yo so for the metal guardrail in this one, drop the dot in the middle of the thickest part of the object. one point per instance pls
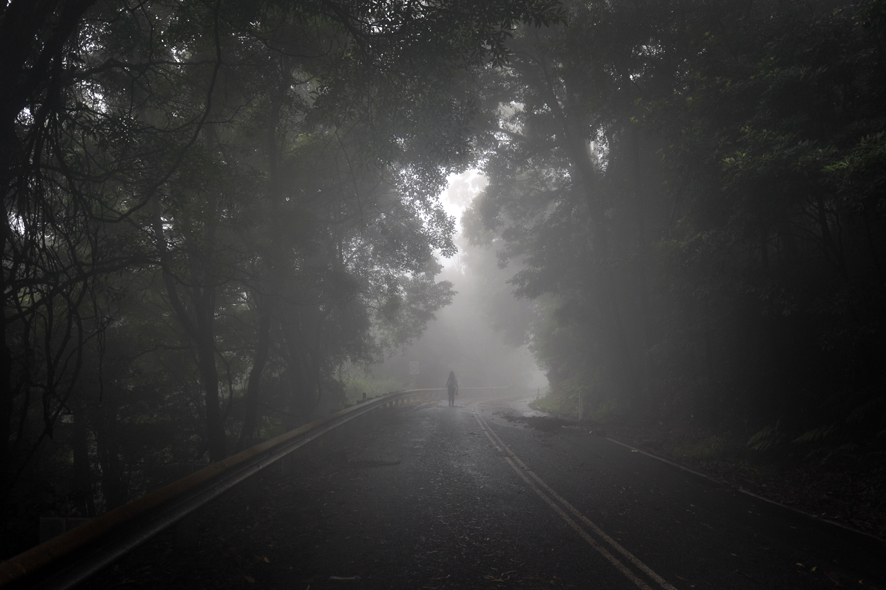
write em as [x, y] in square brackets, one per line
[74, 556]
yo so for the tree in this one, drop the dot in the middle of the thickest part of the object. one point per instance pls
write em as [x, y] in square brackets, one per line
[164, 139]
[571, 177]
[676, 178]
[765, 119]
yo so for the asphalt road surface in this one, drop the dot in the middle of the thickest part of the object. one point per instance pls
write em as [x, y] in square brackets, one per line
[483, 495]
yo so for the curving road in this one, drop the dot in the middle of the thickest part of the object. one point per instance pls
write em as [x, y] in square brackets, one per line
[474, 497]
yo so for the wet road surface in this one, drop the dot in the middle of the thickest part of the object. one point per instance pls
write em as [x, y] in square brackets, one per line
[429, 496]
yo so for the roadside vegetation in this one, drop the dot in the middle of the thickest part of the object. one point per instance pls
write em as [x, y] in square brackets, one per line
[691, 194]
[841, 483]
[209, 210]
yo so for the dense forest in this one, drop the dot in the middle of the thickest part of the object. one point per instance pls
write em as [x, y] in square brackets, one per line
[210, 207]
[213, 208]
[693, 193]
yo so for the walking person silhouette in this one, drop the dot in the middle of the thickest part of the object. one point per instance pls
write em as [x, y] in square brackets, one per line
[452, 387]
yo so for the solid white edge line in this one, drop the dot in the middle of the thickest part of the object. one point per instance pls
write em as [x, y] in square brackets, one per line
[504, 451]
[574, 525]
[612, 542]
[663, 460]
[746, 492]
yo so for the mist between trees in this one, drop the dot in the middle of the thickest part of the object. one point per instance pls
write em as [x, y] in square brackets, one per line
[693, 194]
[482, 336]
[211, 208]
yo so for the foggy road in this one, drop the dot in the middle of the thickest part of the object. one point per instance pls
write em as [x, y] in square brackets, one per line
[470, 497]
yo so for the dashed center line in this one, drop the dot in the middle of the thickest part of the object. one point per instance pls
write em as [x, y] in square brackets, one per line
[561, 507]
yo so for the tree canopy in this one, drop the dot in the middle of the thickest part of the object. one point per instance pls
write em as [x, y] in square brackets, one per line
[209, 208]
[692, 190]
[212, 208]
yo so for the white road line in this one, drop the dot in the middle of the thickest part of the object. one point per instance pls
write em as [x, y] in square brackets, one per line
[525, 473]
[663, 460]
[746, 492]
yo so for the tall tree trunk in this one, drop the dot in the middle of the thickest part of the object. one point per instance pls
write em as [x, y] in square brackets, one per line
[6, 373]
[7, 141]
[82, 467]
[586, 178]
[827, 237]
[299, 371]
[113, 484]
[200, 328]
[204, 312]
[253, 386]
[6, 406]
[268, 290]
[577, 149]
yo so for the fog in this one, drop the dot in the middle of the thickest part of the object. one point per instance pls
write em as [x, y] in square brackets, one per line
[225, 220]
[463, 340]
[474, 336]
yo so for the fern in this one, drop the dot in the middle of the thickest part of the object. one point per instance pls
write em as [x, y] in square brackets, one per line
[768, 437]
[873, 406]
[815, 434]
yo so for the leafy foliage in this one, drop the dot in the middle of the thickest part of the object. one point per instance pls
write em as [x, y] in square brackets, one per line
[693, 191]
[209, 209]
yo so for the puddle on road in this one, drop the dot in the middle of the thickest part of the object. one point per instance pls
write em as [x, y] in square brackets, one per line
[514, 407]
[518, 411]
[522, 406]
[543, 423]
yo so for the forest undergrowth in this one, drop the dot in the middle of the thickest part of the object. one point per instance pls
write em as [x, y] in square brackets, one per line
[844, 486]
